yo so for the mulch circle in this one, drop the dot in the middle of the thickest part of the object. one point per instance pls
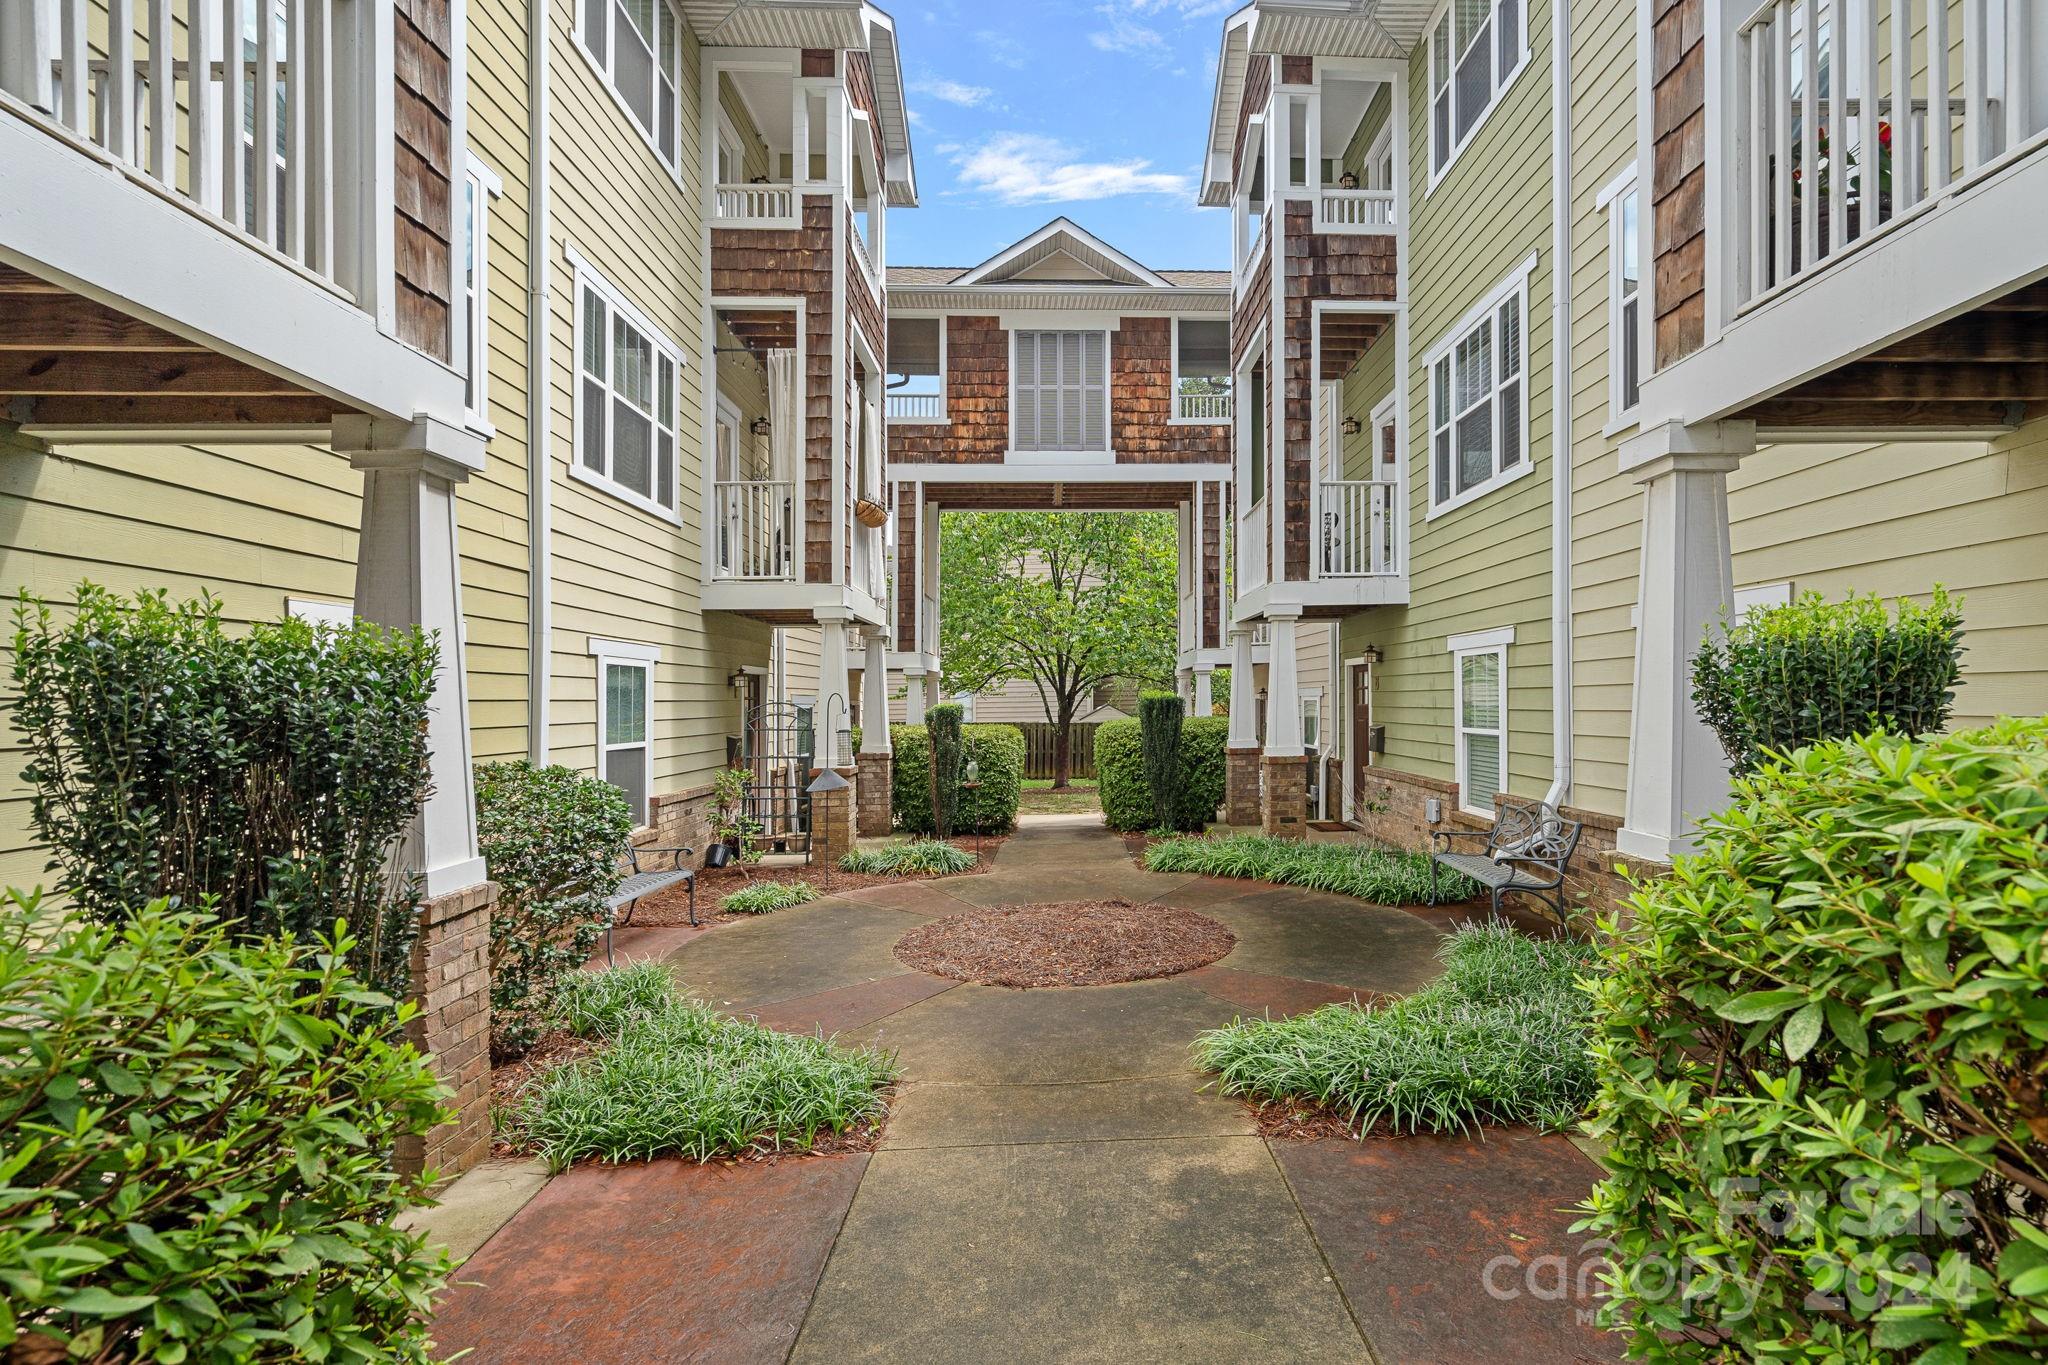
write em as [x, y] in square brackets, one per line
[1069, 943]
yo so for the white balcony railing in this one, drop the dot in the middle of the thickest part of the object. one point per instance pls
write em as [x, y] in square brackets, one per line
[745, 205]
[1841, 128]
[756, 528]
[1202, 407]
[917, 407]
[1361, 528]
[1355, 211]
[111, 75]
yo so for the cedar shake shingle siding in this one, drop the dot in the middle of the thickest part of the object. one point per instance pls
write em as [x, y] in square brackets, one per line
[977, 401]
[1678, 192]
[423, 174]
[1141, 400]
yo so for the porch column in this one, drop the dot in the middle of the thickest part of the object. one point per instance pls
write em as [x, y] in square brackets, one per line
[873, 815]
[835, 705]
[1205, 703]
[1241, 762]
[409, 573]
[914, 698]
[1285, 810]
[1676, 771]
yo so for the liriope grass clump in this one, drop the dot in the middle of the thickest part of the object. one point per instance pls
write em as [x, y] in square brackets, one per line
[597, 1004]
[675, 1078]
[1348, 869]
[763, 897]
[1499, 1038]
[919, 857]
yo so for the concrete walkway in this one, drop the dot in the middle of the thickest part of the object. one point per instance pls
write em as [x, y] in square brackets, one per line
[1054, 1183]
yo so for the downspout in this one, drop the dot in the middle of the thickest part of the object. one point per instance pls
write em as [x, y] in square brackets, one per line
[1560, 403]
[539, 324]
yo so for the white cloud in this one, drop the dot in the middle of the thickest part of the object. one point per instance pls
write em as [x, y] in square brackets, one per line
[1026, 168]
[952, 92]
[1001, 49]
[1124, 34]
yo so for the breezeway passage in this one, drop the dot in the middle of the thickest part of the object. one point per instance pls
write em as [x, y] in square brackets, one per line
[1054, 1183]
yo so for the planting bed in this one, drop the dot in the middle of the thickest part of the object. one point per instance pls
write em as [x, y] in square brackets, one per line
[1073, 943]
[672, 907]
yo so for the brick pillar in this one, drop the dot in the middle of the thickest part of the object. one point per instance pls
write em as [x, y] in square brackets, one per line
[876, 817]
[451, 982]
[832, 820]
[1241, 786]
[1286, 807]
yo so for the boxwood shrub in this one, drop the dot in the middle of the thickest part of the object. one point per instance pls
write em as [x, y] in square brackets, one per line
[998, 751]
[1120, 772]
[1821, 1056]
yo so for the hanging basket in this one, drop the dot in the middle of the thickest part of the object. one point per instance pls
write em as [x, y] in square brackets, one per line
[870, 513]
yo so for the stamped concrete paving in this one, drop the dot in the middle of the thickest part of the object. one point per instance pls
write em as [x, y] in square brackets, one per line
[1055, 1182]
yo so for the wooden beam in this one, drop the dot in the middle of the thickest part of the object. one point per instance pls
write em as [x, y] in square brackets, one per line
[113, 373]
[1867, 415]
[14, 281]
[67, 322]
[167, 411]
[1974, 336]
[2029, 298]
[1899, 381]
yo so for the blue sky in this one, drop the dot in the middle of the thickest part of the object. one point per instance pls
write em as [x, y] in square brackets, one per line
[1024, 110]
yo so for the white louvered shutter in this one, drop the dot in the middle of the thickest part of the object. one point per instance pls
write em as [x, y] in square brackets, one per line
[1094, 393]
[1024, 391]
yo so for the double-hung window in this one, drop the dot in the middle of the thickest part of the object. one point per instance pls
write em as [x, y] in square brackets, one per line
[625, 725]
[1476, 48]
[1624, 299]
[1478, 399]
[1059, 399]
[637, 45]
[627, 375]
[1480, 701]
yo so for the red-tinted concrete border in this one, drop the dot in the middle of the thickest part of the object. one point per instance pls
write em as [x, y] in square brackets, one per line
[849, 1007]
[1279, 996]
[662, 1261]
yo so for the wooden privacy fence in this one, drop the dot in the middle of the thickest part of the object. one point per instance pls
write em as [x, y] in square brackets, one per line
[1040, 752]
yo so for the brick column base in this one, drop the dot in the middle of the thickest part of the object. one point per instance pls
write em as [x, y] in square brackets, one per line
[451, 982]
[1286, 809]
[876, 781]
[832, 820]
[1241, 787]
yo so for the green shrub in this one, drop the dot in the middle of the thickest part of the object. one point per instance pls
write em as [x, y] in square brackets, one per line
[1127, 801]
[1811, 670]
[553, 840]
[763, 897]
[272, 771]
[1821, 1054]
[684, 1079]
[1499, 1038]
[195, 1146]
[998, 753]
[1348, 869]
[1159, 720]
[918, 857]
[943, 771]
[598, 1004]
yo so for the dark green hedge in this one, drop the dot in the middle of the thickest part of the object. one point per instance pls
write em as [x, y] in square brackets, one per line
[997, 749]
[1120, 771]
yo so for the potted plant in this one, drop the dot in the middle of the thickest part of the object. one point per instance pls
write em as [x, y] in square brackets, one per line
[732, 827]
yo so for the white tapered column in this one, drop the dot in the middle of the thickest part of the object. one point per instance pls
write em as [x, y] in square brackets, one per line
[1205, 680]
[835, 710]
[1676, 771]
[913, 697]
[874, 695]
[409, 574]
[1283, 691]
[1244, 692]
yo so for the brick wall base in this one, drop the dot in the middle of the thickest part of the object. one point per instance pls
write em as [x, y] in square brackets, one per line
[832, 819]
[681, 818]
[451, 981]
[875, 816]
[1241, 787]
[1285, 813]
[1393, 812]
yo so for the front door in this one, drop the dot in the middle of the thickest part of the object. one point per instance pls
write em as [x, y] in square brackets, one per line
[1361, 732]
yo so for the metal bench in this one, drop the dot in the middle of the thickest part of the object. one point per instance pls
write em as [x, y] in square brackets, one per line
[645, 882]
[1526, 850]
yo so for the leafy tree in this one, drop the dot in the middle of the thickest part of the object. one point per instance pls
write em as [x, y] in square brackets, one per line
[1067, 601]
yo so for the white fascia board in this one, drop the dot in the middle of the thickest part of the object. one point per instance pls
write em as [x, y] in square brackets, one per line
[1056, 473]
[69, 215]
[1074, 232]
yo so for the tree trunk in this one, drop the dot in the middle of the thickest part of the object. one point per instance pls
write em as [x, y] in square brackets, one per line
[1063, 745]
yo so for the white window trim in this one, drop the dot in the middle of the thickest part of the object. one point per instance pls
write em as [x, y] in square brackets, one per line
[585, 276]
[1106, 452]
[604, 78]
[1245, 244]
[1173, 417]
[1516, 283]
[1620, 415]
[1760, 595]
[624, 654]
[477, 332]
[1312, 697]
[1504, 82]
[1461, 648]
[941, 419]
[727, 136]
[320, 613]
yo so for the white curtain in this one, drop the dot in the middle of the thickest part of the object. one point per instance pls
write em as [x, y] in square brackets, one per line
[871, 452]
[785, 420]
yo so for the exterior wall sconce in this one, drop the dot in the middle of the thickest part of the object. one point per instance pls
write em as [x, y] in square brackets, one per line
[760, 426]
[1372, 654]
[1352, 426]
[736, 679]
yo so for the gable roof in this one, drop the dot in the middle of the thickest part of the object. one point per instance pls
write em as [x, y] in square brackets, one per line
[1063, 237]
